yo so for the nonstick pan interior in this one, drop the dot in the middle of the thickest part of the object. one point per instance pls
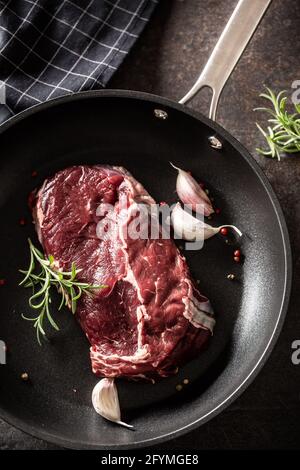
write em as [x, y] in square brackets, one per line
[119, 128]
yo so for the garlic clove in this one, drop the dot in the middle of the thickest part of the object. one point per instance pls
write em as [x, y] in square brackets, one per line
[106, 401]
[189, 228]
[186, 226]
[190, 192]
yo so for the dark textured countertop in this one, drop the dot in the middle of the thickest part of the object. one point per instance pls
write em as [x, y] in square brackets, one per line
[166, 61]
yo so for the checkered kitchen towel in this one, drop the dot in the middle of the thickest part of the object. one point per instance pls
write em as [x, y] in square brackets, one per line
[49, 48]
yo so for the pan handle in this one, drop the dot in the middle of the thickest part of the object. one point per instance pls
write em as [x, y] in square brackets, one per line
[228, 50]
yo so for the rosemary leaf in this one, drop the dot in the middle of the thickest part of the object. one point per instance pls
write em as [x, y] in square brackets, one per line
[283, 132]
[45, 278]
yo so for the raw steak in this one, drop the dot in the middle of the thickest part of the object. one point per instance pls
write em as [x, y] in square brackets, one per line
[150, 318]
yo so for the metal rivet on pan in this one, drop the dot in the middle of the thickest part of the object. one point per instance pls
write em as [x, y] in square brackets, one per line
[215, 143]
[160, 114]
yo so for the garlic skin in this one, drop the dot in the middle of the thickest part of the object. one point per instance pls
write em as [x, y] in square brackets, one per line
[106, 401]
[190, 192]
[189, 228]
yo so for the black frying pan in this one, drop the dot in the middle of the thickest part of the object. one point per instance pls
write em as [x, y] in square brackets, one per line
[123, 128]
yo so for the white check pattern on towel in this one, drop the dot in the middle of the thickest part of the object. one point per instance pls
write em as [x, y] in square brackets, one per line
[49, 48]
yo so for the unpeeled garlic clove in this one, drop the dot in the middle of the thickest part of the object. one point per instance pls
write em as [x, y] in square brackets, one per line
[190, 192]
[106, 401]
[188, 227]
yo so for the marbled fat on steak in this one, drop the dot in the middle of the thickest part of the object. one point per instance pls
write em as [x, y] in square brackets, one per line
[149, 319]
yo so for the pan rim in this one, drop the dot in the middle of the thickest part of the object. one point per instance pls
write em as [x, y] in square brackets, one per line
[39, 433]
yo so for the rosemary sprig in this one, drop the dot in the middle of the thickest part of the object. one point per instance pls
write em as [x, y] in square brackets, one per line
[41, 276]
[283, 133]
